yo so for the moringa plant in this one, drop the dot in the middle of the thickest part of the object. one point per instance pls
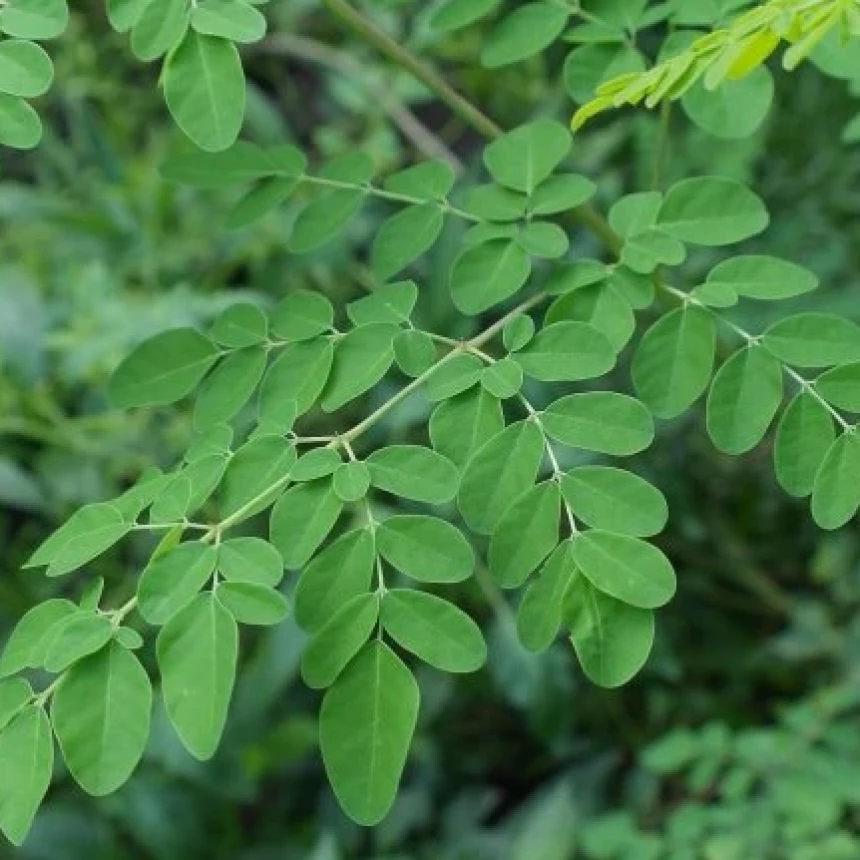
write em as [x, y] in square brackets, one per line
[528, 482]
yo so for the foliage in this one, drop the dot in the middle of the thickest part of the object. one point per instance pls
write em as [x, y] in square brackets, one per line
[388, 536]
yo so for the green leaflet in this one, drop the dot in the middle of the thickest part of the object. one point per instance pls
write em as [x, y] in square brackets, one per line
[625, 568]
[744, 398]
[229, 19]
[603, 421]
[250, 559]
[432, 179]
[434, 630]
[414, 352]
[361, 359]
[588, 66]
[229, 387]
[341, 572]
[645, 251]
[460, 425]
[841, 387]
[35, 19]
[803, 438]
[242, 324]
[351, 482]
[25, 69]
[20, 126]
[561, 193]
[302, 519]
[503, 378]
[414, 472]
[317, 463]
[711, 210]
[259, 201]
[814, 340]
[673, 363]
[600, 306]
[300, 374]
[14, 694]
[324, 219]
[87, 534]
[522, 159]
[614, 500]
[256, 473]
[27, 751]
[526, 31]
[204, 87]
[836, 493]
[540, 613]
[27, 647]
[253, 603]
[488, 274]
[390, 303]
[80, 635]
[366, 725]
[404, 237]
[158, 29]
[302, 315]
[525, 534]
[612, 640]
[101, 714]
[497, 473]
[567, 351]
[162, 369]
[453, 376]
[339, 640]
[197, 653]
[735, 109]
[172, 580]
[761, 277]
[456, 14]
[426, 548]
[518, 332]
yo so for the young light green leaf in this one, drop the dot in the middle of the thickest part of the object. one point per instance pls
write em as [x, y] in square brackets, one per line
[541, 610]
[615, 500]
[525, 535]
[341, 572]
[673, 363]
[744, 398]
[229, 387]
[612, 640]
[600, 421]
[80, 635]
[626, 568]
[404, 237]
[250, 559]
[302, 519]
[761, 277]
[339, 640]
[27, 646]
[712, 210]
[366, 725]
[299, 375]
[162, 369]
[813, 340]
[253, 603]
[803, 438]
[302, 315]
[101, 715]
[426, 548]
[414, 472]
[361, 359]
[488, 274]
[567, 351]
[526, 31]
[27, 751]
[197, 653]
[836, 494]
[228, 19]
[172, 580]
[434, 630]
[204, 87]
[523, 158]
[500, 471]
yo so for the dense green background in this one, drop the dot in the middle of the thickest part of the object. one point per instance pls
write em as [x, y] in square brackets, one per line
[740, 739]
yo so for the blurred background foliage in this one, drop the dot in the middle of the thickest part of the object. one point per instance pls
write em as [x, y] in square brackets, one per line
[739, 741]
